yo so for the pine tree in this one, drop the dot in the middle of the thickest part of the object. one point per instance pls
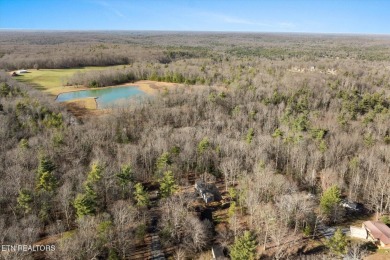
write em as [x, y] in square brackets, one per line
[95, 174]
[45, 165]
[47, 182]
[233, 193]
[44, 211]
[249, 135]
[45, 177]
[244, 248]
[163, 162]
[167, 184]
[141, 196]
[232, 209]
[203, 145]
[338, 243]
[86, 203]
[125, 176]
[24, 200]
[24, 144]
[330, 199]
[322, 146]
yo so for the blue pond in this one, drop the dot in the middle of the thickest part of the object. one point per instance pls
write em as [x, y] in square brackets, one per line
[106, 97]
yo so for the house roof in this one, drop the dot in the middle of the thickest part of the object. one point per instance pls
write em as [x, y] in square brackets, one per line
[379, 231]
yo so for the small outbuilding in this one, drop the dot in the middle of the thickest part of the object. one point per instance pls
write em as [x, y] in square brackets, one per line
[359, 232]
[379, 232]
[22, 71]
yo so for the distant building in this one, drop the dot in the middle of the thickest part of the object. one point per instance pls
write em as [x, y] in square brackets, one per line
[379, 232]
[22, 71]
[352, 206]
[359, 232]
[207, 191]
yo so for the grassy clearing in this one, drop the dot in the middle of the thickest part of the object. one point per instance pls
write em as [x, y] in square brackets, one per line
[53, 80]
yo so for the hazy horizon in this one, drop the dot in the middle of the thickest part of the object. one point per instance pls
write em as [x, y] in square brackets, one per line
[192, 32]
[280, 16]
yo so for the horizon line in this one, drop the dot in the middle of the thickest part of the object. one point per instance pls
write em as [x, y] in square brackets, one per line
[190, 31]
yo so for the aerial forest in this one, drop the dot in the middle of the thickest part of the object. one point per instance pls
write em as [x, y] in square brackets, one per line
[286, 126]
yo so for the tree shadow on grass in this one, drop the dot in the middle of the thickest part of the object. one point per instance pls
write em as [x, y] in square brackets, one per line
[30, 83]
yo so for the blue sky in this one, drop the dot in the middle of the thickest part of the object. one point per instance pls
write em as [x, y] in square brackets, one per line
[317, 16]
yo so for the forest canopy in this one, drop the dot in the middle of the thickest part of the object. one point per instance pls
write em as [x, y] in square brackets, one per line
[289, 125]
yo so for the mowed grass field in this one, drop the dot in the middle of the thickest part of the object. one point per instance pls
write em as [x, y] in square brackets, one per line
[53, 80]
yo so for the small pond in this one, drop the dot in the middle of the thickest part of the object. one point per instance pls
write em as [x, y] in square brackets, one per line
[106, 97]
